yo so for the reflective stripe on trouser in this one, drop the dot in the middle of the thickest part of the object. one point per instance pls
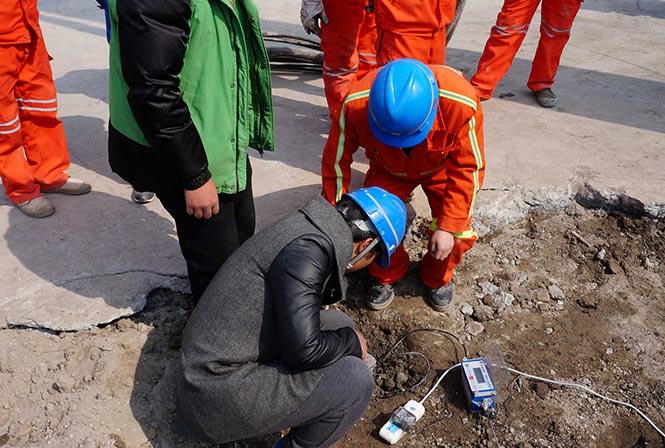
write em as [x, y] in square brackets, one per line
[33, 149]
[434, 273]
[506, 37]
[557, 21]
[348, 44]
[427, 48]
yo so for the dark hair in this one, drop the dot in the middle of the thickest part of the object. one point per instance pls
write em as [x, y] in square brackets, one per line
[351, 211]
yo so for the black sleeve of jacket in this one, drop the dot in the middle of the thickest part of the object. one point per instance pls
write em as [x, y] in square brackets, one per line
[153, 37]
[296, 280]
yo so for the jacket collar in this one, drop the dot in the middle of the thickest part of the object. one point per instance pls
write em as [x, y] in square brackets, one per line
[328, 220]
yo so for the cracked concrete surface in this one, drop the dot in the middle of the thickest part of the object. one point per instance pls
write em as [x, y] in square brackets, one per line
[99, 255]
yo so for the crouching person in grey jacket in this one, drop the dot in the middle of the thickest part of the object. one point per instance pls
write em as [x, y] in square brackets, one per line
[259, 355]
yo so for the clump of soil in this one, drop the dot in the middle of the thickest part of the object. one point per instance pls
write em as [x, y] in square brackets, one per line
[574, 296]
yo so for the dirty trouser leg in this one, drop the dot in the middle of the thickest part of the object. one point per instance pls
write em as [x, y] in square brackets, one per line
[334, 407]
[505, 39]
[207, 243]
[367, 45]
[556, 23]
[43, 133]
[17, 176]
[339, 43]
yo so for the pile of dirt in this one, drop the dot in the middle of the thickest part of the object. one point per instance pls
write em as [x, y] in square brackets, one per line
[574, 296]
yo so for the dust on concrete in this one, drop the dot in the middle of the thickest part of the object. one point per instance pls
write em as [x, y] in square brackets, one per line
[575, 296]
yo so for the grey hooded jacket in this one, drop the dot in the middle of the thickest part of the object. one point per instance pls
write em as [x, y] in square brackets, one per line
[252, 347]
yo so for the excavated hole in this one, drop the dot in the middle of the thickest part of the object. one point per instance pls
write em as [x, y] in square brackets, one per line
[575, 295]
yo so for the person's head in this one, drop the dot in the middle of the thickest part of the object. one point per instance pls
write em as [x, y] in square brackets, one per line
[377, 220]
[403, 102]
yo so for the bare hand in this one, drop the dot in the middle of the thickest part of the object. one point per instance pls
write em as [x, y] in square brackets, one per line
[202, 202]
[363, 344]
[441, 244]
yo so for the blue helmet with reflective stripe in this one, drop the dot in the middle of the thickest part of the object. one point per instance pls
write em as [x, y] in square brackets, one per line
[403, 102]
[387, 213]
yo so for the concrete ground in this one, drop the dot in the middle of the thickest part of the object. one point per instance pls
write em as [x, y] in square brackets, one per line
[99, 255]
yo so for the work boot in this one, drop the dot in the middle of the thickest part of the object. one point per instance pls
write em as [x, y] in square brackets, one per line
[546, 97]
[380, 296]
[142, 197]
[73, 187]
[39, 207]
[440, 298]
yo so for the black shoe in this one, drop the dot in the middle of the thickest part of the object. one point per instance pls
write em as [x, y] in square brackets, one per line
[380, 296]
[441, 298]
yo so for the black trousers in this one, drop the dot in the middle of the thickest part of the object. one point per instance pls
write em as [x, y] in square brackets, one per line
[207, 243]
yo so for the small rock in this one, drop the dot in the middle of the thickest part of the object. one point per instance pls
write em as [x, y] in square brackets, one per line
[542, 296]
[64, 384]
[543, 306]
[588, 302]
[488, 300]
[600, 255]
[613, 267]
[124, 325]
[483, 313]
[647, 263]
[609, 351]
[474, 328]
[559, 306]
[402, 378]
[87, 443]
[118, 442]
[591, 286]
[555, 292]
[542, 390]
[466, 309]
[549, 330]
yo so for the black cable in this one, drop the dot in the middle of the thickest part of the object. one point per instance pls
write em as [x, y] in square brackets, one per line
[434, 330]
[427, 361]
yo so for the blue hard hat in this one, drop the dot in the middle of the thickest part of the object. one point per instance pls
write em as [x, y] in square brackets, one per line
[388, 215]
[402, 103]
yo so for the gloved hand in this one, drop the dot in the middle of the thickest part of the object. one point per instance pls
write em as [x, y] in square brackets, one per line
[311, 11]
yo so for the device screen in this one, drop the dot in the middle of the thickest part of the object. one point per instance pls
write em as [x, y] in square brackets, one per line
[479, 375]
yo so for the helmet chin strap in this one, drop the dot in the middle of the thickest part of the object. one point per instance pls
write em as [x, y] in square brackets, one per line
[362, 254]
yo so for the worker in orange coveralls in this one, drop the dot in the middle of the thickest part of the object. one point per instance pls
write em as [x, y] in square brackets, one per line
[33, 150]
[348, 40]
[507, 35]
[354, 40]
[419, 125]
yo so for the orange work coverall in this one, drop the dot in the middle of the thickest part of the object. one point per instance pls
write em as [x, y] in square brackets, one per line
[449, 166]
[348, 43]
[409, 29]
[510, 30]
[33, 149]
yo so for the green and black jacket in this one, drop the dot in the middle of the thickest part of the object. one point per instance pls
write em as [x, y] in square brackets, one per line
[189, 92]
